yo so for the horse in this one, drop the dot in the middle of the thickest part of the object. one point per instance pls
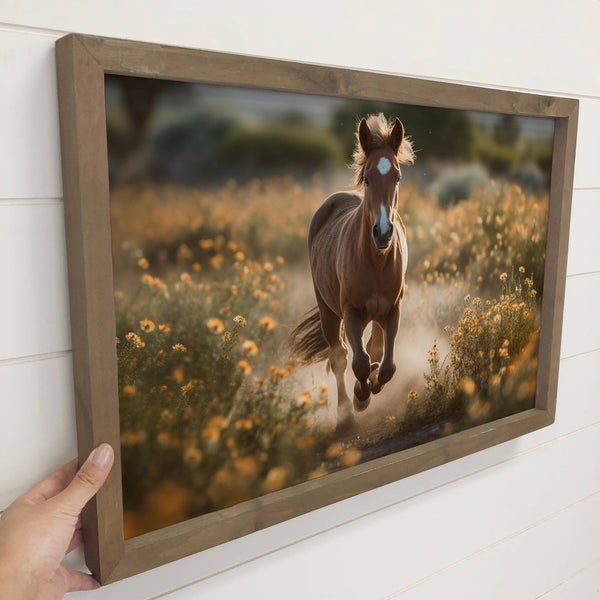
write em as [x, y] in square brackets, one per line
[358, 256]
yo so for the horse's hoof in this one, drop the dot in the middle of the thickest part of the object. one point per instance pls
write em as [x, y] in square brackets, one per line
[361, 405]
[362, 390]
[376, 388]
[385, 374]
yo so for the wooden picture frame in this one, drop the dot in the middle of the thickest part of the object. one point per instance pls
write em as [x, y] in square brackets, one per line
[82, 62]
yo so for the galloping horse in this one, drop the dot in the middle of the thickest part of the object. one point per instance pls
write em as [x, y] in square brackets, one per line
[358, 254]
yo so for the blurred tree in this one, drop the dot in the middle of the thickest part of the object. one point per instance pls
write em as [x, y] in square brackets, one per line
[437, 133]
[507, 131]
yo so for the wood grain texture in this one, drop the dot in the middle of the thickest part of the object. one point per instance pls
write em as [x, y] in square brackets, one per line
[557, 245]
[81, 63]
[87, 223]
[184, 64]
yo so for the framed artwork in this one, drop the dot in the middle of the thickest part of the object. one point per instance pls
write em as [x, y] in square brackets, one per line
[291, 283]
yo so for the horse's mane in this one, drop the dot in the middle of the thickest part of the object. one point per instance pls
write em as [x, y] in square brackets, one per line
[381, 129]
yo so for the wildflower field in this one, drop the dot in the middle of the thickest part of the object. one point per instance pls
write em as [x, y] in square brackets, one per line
[210, 281]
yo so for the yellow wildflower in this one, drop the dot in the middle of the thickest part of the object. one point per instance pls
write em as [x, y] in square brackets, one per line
[468, 386]
[129, 390]
[350, 457]
[250, 347]
[246, 465]
[188, 387]
[215, 325]
[304, 442]
[316, 473]
[268, 323]
[178, 374]
[211, 434]
[245, 367]
[132, 438]
[164, 438]
[334, 450]
[305, 398]
[216, 261]
[218, 421]
[133, 337]
[147, 325]
[274, 480]
[192, 456]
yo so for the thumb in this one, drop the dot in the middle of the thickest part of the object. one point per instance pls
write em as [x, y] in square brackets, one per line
[88, 480]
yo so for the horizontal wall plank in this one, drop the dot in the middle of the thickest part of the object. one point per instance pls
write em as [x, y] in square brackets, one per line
[37, 428]
[587, 174]
[581, 325]
[584, 585]
[34, 306]
[577, 397]
[509, 570]
[30, 148]
[584, 238]
[414, 39]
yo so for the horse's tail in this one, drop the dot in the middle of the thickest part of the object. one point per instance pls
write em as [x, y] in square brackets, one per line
[306, 343]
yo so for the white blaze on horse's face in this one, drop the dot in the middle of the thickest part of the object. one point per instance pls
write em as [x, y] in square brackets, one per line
[384, 220]
[384, 165]
[381, 187]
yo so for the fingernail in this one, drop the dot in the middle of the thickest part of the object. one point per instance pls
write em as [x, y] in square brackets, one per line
[101, 456]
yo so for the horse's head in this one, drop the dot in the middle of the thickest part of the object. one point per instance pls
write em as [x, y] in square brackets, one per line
[382, 148]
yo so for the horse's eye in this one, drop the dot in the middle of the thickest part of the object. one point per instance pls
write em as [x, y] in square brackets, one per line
[366, 181]
[398, 179]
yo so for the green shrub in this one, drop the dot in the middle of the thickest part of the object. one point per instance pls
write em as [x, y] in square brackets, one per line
[459, 183]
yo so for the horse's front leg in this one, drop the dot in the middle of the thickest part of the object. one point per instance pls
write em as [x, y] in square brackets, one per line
[390, 331]
[354, 325]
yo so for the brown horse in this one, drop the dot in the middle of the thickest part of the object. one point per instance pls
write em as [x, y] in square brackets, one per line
[358, 254]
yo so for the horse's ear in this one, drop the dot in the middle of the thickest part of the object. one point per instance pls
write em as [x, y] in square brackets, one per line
[397, 135]
[364, 135]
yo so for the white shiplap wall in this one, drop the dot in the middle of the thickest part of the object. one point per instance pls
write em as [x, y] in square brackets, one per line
[520, 520]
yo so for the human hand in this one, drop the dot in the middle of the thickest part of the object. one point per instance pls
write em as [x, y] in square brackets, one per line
[43, 525]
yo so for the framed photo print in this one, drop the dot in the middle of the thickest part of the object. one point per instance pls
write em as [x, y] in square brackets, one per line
[292, 283]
